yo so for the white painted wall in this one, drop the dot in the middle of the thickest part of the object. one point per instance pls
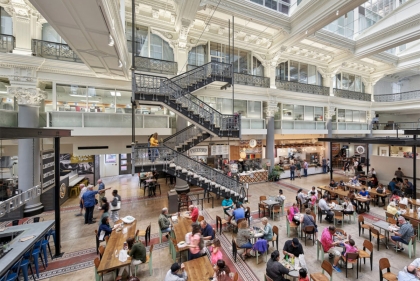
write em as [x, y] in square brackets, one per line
[386, 166]
[108, 169]
[382, 87]
[411, 84]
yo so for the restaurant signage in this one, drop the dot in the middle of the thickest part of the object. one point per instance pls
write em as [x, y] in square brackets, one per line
[199, 151]
[48, 173]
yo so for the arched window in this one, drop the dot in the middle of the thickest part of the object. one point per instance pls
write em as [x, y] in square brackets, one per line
[198, 55]
[160, 49]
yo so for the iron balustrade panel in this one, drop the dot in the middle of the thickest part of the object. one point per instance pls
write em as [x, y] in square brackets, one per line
[302, 88]
[161, 86]
[156, 65]
[411, 95]
[143, 155]
[252, 80]
[7, 43]
[200, 74]
[185, 135]
[53, 50]
[351, 95]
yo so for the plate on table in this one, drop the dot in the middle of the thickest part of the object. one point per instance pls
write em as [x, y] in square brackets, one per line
[128, 219]
[182, 244]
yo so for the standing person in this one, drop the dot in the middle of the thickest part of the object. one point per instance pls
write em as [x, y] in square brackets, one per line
[154, 143]
[292, 168]
[275, 270]
[196, 243]
[324, 165]
[399, 175]
[346, 167]
[101, 186]
[149, 150]
[305, 168]
[375, 122]
[83, 189]
[298, 168]
[330, 246]
[105, 209]
[115, 206]
[355, 164]
[88, 200]
[328, 165]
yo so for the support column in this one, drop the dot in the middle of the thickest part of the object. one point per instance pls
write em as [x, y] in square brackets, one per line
[23, 87]
[181, 186]
[270, 71]
[270, 111]
[414, 149]
[329, 115]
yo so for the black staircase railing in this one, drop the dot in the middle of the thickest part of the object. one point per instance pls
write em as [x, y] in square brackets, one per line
[185, 138]
[156, 65]
[53, 50]
[411, 95]
[170, 160]
[7, 43]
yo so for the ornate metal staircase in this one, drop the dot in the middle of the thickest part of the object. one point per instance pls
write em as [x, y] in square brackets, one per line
[186, 138]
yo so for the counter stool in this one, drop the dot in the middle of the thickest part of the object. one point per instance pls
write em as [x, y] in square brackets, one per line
[13, 273]
[36, 254]
[24, 266]
[44, 244]
[3, 278]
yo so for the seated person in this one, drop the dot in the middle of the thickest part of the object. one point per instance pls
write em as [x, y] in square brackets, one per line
[411, 272]
[275, 270]
[313, 199]
[292, 212]
[331, 247]
[392, 184]
[323, 205]
[354, 181]
[176, 273]
[373, 181]
[395, 197]
[403, 200]
[408, 188]
[333, 184]
[105, 228]
[207, 232]
[192, 213]
[227, 204]
[292, 248]
[238, 213]
[365, 194]
[308, 220]
[403, 235]
[341, 183]
[381, 190]
[350, 248]
[391, 208]
[164, 222]
[221, 271]
[280, 198]
[242, 238]
[267, 229]
[313, 189]
[302, 197]
[348, 206]
[352, 198]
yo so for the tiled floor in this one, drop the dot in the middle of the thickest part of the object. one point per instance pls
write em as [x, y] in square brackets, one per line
[78, 239]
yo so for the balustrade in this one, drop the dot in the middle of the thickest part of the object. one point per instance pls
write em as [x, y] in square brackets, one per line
[53, 50]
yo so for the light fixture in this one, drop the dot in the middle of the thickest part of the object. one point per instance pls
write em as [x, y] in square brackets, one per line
[90, 101]
[337, 13]
[306, 32]
[119, 64]
[3, 92]
[118, 94]
[111, 41]
[75, 95]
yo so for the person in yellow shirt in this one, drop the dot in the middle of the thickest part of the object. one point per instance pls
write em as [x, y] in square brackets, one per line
[392, 209]
[154, 142]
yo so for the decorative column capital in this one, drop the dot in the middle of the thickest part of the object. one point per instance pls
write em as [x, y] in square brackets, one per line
[27, 96]
[330, 112]
[271, 108]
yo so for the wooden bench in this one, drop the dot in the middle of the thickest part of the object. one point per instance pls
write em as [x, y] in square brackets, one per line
[74, 182]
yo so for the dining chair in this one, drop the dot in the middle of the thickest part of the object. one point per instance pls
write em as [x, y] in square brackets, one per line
[377, 235]
[25, 264]
[3, 278]
[411, 246]
[310, 229]
[266, 278]
[363, 254]
[235, 276]
[275, 236]
[326, 266]
[263, 198]
[149, 260]
[262, 208]
[276, 210]
[146, 234]
[200, 218]
[388, 275]
[351, 258]
[99, 276]
[338, 216]
[13, 273]
[15, 222]
[363, 226]
[175, 250]
[101, 251]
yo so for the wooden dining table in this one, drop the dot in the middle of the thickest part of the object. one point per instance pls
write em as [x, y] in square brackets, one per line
[116, 242]
[181, 228]
[199, 269]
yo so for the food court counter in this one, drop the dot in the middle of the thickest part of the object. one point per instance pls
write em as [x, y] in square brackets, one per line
[253, 176]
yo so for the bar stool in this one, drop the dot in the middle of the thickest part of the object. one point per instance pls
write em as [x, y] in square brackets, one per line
[3, 278]
[36, 254]
[44, 245]
[24, 266]
[13, 273]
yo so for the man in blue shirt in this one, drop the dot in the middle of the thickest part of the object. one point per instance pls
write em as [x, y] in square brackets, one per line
[206, 231]
[239, 212]
[392, 184]
[88, 201]
[408, 188]
[403, 235]
[365, 194]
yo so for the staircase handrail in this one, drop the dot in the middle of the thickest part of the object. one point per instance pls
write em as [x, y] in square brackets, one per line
[172, 156]
[183, 135]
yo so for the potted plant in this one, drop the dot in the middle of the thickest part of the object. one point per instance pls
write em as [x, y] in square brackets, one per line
[275, 173]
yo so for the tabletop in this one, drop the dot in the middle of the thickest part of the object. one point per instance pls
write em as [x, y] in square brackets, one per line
[182, 228]
[116, 242]
[413, 202]
[199, 269]
[270, 202]
[382, 224]
[334, 191]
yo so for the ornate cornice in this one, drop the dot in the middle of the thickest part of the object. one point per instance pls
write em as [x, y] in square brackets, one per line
[26, 96]
[272, 107]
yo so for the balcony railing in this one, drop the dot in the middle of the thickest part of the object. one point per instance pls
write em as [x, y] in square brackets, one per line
[156, 65]
[412, 95]
[349, 126]
[396, 126]
[53, 50]
[60, 119]
[302, 88]
[252, 80]
[7, 43]
[299, 125]
[351, 95]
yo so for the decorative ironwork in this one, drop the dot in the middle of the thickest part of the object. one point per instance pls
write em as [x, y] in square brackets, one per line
[252, 80]
[168, 157]
[183, 136]
[302, 88]
[156, 65]
[177, 89]
[53, 50]
[351, 95]
[411, 95]
[7, 43]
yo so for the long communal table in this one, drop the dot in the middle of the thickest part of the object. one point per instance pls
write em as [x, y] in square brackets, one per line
[199, 269]
[180, 229]
[116, 242]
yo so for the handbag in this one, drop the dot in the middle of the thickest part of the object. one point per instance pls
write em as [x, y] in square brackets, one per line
[115, 208]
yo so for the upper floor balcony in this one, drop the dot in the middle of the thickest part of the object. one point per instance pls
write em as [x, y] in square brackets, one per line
[411, 95]
[352, 95]
[7, 43]
[156, 65]
[53, 50]
[302, 87]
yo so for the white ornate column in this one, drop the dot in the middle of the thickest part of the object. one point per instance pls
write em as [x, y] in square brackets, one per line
[270, 71]
[331, 111]
[23, 87]
[270, 111]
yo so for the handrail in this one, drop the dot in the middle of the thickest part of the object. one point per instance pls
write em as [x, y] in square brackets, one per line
[168, 155]
[156, 65]
[251, 80]
[302, 87]
[409, 95]
[352, 95]
[59, 51]
[182, 136]
[155, 59]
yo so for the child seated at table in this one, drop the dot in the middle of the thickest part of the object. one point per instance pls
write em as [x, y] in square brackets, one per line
[303, 275]
[350, 248]
[215, 250]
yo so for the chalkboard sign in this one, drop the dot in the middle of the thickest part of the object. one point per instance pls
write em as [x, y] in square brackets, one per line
[48, 174]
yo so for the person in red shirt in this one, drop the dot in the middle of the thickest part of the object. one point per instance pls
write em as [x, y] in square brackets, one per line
[193, 210]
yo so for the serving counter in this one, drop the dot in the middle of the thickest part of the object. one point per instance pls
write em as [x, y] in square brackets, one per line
[253, 176]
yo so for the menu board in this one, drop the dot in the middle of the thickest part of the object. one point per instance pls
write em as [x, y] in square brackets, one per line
[48, 172]
[219, 149]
